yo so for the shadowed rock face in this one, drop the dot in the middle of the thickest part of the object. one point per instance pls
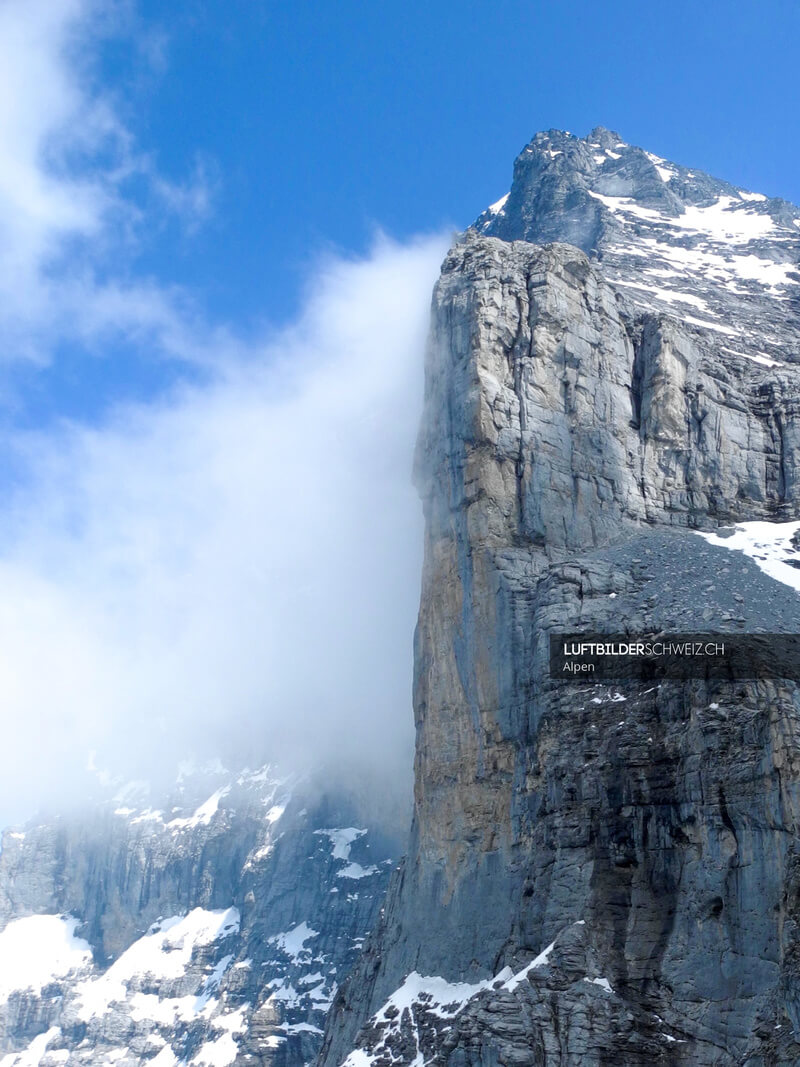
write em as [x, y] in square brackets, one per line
[596, 874]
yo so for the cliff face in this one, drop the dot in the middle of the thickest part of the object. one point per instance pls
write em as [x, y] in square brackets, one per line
[600, 874]
[211, 931]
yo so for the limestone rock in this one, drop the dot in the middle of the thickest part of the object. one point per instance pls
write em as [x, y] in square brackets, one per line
[598, 874]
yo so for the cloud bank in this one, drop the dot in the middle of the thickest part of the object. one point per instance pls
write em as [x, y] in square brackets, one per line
[231, 569]
[235, 570]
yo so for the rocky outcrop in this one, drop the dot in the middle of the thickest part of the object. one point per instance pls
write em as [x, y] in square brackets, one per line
[210, 931]
[596, 874]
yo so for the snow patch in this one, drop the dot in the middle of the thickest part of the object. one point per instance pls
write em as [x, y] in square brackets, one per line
[293, 942]
[148, 816]
[602, 982]
[342, 841]
[217, 1053]
[497, 207]
[726, 220]
[204, 814]
[670, 295]
[768, 544]
[32, 1056]
[754, 357]
[38, 950]
[165, 1058]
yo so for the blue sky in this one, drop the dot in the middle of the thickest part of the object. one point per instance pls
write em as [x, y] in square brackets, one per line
[328, 119]
[220, 222]
[258, 135]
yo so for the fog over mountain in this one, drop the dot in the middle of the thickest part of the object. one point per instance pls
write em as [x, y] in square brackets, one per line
[288, 773]
[224, 559]
[233, 570]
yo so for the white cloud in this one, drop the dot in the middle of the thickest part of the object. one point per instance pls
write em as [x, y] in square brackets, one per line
[234, 568]
[66, 163]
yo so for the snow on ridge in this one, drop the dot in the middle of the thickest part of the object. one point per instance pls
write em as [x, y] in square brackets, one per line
[435, 996]
[768, 544]
[37, 950]
[261, 784]
[540, 961]
[163, 953]
[447, 999]
[666, 171]
[204, 814]
[497, 207]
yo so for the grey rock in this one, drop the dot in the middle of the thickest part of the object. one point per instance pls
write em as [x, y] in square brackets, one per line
[265, 850]
[673, 239]
[579, 431]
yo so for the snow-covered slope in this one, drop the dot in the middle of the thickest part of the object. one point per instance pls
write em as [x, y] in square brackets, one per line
[215, 925]
[775, 547]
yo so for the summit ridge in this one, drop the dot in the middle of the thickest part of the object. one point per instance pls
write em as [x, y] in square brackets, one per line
[670, 238]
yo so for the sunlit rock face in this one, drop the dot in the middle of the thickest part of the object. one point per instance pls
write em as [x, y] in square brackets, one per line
[211, 930]
[600, 874]
[670, 238]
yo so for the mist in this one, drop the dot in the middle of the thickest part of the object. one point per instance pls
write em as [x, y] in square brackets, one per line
[226, 564]
[233, 570]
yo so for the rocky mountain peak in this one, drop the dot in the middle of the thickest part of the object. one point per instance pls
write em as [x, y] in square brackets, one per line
[671, 239]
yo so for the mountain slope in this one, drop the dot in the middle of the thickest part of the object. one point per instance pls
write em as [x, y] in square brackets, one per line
[599, 874]
[213, 931]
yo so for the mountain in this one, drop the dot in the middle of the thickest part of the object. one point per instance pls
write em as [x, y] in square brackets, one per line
[598, 872]
[211, 931]
[607, 873]
[672, 240]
